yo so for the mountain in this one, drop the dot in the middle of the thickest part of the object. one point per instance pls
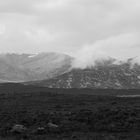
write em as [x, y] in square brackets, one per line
[54, 70]
[31, 67]
[123, 75]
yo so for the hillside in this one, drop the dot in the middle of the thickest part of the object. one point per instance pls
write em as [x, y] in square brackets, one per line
[114, 76]
[30, 67]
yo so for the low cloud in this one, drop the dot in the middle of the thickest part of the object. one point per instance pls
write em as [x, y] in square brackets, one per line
[101, 28]
[115, 47]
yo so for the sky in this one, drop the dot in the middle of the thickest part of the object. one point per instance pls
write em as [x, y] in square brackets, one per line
[82, 28]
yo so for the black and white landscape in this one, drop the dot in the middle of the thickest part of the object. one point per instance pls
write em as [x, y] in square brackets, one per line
[44, 96]
[70, 70]
[31, 67]
[55, 70]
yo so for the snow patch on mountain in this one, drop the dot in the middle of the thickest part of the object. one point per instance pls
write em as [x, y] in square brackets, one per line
[33, 55]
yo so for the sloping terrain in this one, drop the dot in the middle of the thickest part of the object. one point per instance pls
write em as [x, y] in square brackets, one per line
[30, 67]
[114, 76]
[54, 70]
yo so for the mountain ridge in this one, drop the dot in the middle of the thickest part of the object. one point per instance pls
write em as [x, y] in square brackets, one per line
[56, 70]
[23, 67]
[114, 76]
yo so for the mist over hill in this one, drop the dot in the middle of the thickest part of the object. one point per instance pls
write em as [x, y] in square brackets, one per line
[56, 70]
[104, 74]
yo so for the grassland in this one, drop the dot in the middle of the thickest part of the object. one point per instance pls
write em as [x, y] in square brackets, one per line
[81, 114]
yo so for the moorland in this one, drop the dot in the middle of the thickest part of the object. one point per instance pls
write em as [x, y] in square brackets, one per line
[81, 114]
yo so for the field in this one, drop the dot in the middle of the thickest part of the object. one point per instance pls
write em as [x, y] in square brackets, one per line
[80, 114]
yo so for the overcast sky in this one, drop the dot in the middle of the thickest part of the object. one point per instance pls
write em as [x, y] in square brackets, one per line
[109, 27]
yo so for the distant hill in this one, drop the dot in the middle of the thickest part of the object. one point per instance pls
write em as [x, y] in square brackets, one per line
[55, 70]
[103, 75]
[30, 67]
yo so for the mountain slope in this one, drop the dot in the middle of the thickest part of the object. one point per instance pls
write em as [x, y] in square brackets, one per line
[30, 67]
[101, 76]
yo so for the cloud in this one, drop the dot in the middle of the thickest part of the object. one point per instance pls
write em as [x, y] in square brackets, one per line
[107, 27]
[118, 47]
[2, 29]
[16, 6]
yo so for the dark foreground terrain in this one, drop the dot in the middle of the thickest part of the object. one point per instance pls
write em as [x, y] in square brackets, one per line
[73, 114]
